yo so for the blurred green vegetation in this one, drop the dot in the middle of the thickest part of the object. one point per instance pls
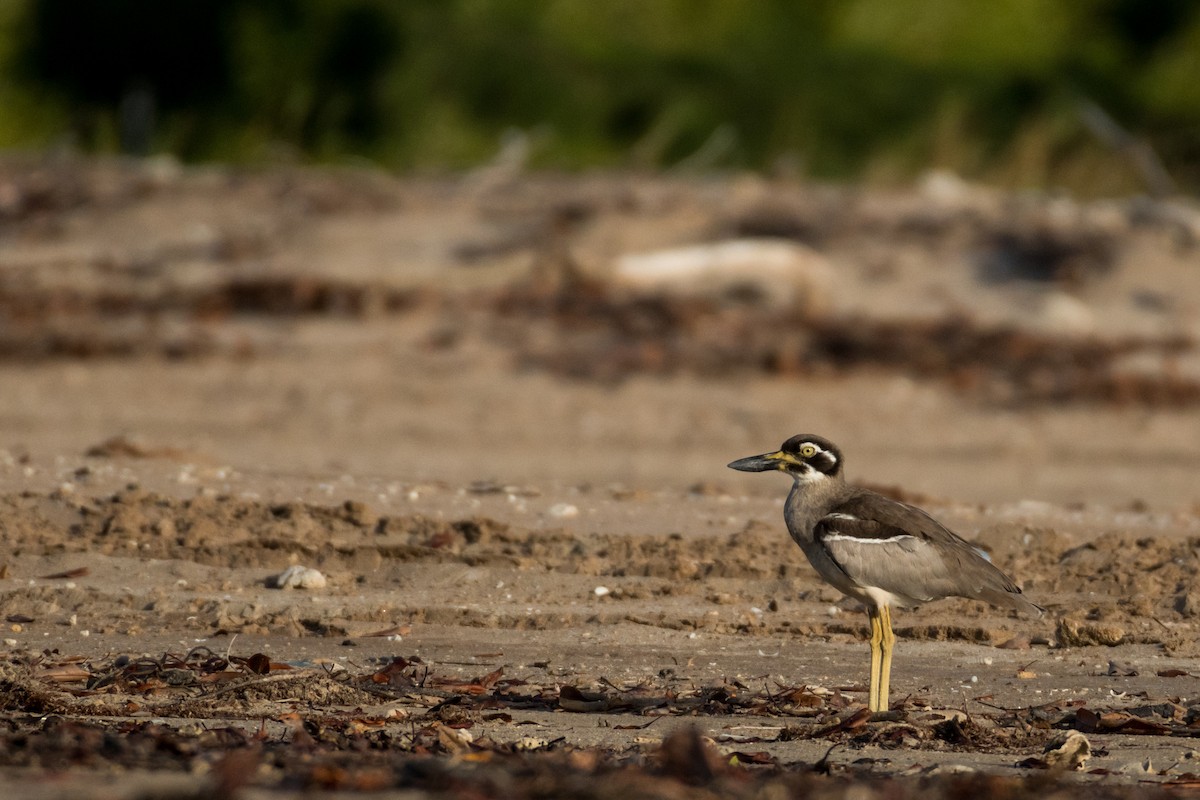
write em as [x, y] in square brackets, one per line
[877, 89]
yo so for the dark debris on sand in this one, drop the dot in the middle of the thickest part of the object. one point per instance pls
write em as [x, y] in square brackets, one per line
[127, 713]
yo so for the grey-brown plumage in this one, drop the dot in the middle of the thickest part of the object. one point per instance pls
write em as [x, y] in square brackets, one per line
[875, 549]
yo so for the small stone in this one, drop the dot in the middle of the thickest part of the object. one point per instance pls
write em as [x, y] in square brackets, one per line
[1122, 669]
[299, 577]
[1145, 767]
[601, 591]
[563, 511]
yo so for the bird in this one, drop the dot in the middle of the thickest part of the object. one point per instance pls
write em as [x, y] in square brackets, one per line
[879, 551]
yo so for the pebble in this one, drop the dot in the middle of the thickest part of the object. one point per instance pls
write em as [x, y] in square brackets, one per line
[1145, 767]
[299, 577]
[601, 591]
[563, 511]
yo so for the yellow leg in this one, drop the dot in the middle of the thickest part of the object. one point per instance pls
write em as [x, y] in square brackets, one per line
[887, 643]
[873, 701]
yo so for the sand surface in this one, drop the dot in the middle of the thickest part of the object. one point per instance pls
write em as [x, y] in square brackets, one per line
[509, 471]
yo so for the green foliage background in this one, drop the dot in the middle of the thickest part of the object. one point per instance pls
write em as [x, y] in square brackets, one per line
[874, 89]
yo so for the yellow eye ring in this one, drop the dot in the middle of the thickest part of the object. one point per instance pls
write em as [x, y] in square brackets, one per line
[808, 451]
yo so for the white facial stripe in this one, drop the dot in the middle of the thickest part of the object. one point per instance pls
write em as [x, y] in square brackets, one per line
[841, 537]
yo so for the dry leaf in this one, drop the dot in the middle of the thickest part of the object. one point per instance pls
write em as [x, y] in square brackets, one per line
[455, 740]
[259, 663]
[360, 725]
[65, 673]
[1087, 720]
[220, 677]
[78, 572]
[572, 699]
[853, 722]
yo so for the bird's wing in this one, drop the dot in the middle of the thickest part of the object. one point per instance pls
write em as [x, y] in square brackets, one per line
[901, 550]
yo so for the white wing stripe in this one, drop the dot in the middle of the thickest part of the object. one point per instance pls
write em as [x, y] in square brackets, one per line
[841, 537]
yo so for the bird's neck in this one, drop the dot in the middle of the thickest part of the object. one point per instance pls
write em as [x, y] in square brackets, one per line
[807, 502]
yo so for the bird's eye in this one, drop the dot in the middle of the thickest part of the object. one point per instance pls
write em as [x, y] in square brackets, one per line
[808, 451]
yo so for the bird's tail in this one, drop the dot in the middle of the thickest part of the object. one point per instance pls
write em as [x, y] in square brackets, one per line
[1012, 598]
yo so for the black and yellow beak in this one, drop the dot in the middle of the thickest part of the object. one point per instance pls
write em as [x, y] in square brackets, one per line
[763, 463]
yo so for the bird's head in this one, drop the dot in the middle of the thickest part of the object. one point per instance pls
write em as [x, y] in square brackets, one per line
[806, 457]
